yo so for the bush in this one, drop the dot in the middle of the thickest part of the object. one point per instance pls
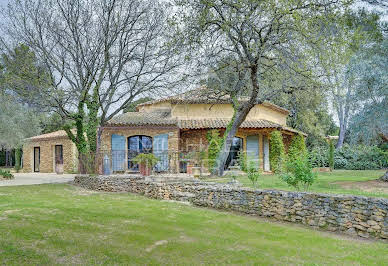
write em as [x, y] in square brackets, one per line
[297, 147]
[215, 141]
[276, 151]
[6, 174]
[298, 173]
[149, 159]
[318, 156]
[242, 161]
[360, 157]
[252, 173]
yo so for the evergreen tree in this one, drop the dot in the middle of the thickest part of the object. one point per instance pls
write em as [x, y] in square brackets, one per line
[276, 151]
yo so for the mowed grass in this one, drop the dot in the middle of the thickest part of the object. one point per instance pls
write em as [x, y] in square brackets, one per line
[63, 224]
[327, 182]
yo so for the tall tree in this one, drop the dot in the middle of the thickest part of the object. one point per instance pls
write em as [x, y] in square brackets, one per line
[266, 42]
[343, 41]
[17, 122]
[24, 77]
[308, 113]
[101, 55]
[370, 67]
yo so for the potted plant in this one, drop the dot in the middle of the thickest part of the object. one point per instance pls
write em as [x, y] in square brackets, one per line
[146, 162]
[188, 158]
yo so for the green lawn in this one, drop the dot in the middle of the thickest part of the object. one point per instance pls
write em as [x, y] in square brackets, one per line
[62, 224]
[325, 183]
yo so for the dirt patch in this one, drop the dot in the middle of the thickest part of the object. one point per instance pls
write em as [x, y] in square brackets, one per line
[368, 186]
[156, 244]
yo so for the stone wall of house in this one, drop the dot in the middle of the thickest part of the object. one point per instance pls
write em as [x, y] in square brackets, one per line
[151, 131]
[47, 154]
[355, 215]
[195, 139]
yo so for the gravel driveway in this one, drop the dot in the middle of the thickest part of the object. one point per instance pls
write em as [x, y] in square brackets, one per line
[22, 179]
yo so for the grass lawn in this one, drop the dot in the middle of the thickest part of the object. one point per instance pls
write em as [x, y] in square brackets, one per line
[62, 224]
[338, 181]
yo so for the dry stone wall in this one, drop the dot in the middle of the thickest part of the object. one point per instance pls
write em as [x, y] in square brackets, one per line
[356, 215]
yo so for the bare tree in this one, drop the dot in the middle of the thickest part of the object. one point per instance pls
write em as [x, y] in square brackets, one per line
[101, 54]
[263, 39]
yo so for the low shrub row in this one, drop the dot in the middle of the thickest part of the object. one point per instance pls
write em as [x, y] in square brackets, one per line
[356, 157]
[360, 157]
[6, 174]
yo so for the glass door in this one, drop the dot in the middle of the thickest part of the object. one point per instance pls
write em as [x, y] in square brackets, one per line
[136, 145]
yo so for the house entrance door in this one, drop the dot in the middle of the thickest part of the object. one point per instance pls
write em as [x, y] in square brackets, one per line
[253, 151]
[59, 158]
[36, 159]
[136, 145]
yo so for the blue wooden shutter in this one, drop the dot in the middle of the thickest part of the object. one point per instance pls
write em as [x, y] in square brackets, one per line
[266, 153]
[253, 150]
[118, 152]
[160, 149]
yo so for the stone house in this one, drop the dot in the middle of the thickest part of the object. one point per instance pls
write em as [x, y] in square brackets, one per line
[178, 125]
[171, 128]
[48, 152]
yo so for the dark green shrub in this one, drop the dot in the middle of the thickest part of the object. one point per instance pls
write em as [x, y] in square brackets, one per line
[297, 147]
[6, 174]
[318, 156]
[242, 161]
[215, 141]
[276, 151]
[331, 155]
[147, 159]
[360, 157]
[252, 173]
[298, 173]
[18, 157]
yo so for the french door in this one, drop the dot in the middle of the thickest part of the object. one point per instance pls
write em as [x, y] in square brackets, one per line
[136, 145]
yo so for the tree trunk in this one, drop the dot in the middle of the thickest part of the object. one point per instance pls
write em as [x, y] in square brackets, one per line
[341, 136]
[229, 134]
[6, 158]
[384, 177]
[82, 164]
[240, 113]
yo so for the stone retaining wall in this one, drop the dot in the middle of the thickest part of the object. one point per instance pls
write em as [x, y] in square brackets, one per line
[356, 215]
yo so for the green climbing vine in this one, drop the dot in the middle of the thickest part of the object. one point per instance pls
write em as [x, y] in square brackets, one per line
[276, 152]
[215, 142]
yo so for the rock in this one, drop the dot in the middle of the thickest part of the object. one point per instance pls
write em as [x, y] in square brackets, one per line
[384, 177]
[371, 222]
[363, 234]
[351, 231]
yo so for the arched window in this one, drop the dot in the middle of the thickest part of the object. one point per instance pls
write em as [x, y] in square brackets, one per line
[137, 144]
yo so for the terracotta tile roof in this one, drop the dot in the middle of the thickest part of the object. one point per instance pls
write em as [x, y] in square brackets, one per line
[222, 123]
[163, 118]
[206, 96]
[52, 135]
